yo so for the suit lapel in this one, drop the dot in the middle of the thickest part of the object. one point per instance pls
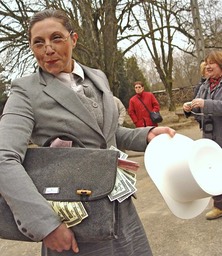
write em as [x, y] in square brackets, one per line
[72, 103]
[69, 100]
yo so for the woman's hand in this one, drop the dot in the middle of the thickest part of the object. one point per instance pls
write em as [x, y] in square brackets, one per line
[160, 130]
[197, 103]
[187, 106]
[61, 239]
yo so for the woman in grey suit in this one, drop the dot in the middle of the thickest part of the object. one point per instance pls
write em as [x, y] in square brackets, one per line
[63, 96]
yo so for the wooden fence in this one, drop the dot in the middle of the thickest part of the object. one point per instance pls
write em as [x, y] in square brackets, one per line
[180, 95]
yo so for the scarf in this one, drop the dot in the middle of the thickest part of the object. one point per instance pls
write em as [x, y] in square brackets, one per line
[214, 82]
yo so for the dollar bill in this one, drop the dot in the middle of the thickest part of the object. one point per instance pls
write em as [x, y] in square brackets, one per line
[59, 209]
[121, 188]
[124, 186]
[123, 155]
[131, 177]
[125, 180]
[132, 187]
[132, 174]
[74, 213]
[71, 213]
[82, 210]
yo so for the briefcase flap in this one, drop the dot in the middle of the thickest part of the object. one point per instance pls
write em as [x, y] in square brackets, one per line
[72, 174]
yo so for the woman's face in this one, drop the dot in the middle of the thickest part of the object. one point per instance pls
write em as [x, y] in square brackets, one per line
[138, 88]
[52, 45]
[213, 70]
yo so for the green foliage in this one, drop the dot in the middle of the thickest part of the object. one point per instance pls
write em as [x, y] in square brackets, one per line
[128, 72]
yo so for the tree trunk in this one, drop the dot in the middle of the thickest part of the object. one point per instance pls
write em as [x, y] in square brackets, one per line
[110, 42]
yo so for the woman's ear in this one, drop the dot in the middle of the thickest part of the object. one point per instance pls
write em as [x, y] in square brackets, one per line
[30, 47]
[74, 37]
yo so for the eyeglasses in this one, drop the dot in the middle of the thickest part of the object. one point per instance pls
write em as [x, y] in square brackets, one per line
[138, 87]
[57, 40]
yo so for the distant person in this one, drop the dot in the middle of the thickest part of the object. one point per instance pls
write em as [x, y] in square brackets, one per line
[121, 110]
[137, 111]
[208, 105]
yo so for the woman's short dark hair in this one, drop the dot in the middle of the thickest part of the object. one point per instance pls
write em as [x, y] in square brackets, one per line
[138, 82]
[50, 13]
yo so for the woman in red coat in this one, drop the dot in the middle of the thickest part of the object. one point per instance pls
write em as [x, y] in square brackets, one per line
[137, 111]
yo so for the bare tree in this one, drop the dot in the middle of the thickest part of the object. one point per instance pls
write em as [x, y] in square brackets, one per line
[186, 71]
[104, 27]
[165, 22]
[211, 21]
[14, 44]
[162, 23]
[200, 47]
[94, 21]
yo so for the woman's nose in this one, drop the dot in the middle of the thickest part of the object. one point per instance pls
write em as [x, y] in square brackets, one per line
[49, 48]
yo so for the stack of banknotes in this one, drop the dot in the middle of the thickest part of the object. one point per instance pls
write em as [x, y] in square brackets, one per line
[71, 213]
[125, 184]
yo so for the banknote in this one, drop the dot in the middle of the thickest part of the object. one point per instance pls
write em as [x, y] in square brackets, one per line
[125, 179]
[132, 174]
[131, 184]
[123, 155]
[120, 189]
[60, 210]
[74, 213]
[124, 186]
[81, 209]
[71, 213]
[131, 177]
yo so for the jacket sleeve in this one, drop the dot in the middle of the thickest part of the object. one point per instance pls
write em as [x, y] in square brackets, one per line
[132, 111]
[132, 139]
[32, 213]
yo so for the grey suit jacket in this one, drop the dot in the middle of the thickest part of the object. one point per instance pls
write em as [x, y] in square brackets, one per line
[41, 106]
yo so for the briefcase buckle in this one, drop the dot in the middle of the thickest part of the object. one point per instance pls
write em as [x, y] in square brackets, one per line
[84, 192]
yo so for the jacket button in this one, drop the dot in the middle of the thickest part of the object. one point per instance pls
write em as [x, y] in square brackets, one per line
[19, 222]
[24, 230]
[30, 235]
[95, 105]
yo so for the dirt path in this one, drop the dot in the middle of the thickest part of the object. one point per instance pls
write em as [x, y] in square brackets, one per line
[192, 131]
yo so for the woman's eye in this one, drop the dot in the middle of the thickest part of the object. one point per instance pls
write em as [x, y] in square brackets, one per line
[57, 38]
[38, 42]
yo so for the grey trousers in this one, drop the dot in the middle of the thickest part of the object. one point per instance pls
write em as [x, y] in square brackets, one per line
[132, 240]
